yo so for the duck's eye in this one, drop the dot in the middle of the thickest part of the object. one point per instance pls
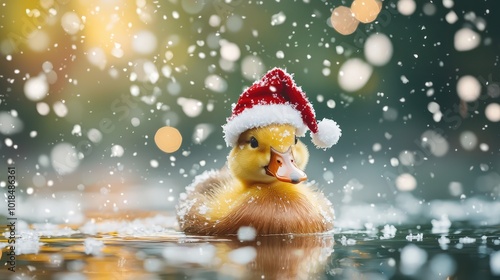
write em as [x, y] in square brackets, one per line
[253, 142]
[296, 140]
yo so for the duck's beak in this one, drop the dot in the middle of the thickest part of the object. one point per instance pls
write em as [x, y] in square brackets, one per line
[283, 167]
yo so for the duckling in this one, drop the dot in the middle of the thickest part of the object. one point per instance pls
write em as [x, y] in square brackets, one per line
[263, 184]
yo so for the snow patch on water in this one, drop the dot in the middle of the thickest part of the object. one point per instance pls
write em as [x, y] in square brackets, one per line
[93, 246]
[203, 254]
[243, 255]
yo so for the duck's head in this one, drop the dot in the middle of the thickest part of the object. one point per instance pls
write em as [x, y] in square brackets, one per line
[269, 154]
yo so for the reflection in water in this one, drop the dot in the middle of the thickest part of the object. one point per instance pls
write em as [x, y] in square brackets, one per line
[287, 256]
[150, 248]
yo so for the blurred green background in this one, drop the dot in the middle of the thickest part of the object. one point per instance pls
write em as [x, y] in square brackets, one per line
[121, 70]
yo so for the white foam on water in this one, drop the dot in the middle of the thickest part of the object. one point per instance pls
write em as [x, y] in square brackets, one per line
[93, 246]
[243, 255]
[246, 233]
[203, 254]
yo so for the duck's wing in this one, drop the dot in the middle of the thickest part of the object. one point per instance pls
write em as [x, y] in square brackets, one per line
[193, 204]
[208, 181]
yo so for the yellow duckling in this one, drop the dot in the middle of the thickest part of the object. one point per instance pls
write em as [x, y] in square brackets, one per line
[262, 184]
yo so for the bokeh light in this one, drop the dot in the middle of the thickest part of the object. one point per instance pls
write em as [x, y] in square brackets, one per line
[168, 139]
[378, 49]
[366, 11]
[468, 88]
[343, 21]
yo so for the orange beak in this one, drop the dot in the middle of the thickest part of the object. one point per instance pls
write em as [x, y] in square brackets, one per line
[283, 167]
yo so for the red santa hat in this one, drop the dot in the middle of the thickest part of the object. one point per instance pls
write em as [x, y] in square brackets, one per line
[276, 99]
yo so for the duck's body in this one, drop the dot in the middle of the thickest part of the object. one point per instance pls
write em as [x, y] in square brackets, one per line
[249, 192]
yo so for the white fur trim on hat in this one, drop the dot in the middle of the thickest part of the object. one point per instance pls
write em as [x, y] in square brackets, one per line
[328, 134]
[259, 116]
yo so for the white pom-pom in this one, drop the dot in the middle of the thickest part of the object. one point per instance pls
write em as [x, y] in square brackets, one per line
[328, 134]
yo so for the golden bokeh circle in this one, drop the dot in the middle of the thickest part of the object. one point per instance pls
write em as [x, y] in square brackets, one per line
[366, 11]
[343, 20]
[168, 139]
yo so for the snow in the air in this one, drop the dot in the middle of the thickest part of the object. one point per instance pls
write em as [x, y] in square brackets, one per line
[71, 23]
[406, 7]
[38, 40]
[97, 57]
[406, 182]
[429, 9]
[378, 49]
[468, 140]
[234, 23]
[229, 51]
[448, 4]
[64, 158]
[94, 135]
[201, 132]
[60, 109]
[278, 18]
[252, 67]
[492, 112]
[10, 123]
[435, 142]
[443, 264]
[191, 107]
[36, 88]
[412, 259]
[495, 263]
[117, 151]
[144, 42]
[451, 17]
[215, 83]
[354, 74]
[42, 108]
[466, 39]
[468, 88]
